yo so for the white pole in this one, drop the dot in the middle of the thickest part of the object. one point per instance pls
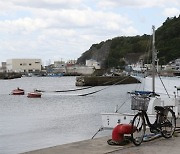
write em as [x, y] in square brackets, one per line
[153, 60]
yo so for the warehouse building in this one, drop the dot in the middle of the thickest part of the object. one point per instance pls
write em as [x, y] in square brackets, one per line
[23, 65]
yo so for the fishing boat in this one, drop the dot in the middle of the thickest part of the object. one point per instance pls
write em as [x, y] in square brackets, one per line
[110, 120]
[18, 91]
[34, 94]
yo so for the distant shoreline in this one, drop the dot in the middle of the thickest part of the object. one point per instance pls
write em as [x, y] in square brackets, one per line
[8, 75]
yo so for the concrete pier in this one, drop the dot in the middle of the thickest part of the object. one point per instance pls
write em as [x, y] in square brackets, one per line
[104, 80]
[100, 146]
[92, 146]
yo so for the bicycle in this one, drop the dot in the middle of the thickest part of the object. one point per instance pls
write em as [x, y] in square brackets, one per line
[165, 121]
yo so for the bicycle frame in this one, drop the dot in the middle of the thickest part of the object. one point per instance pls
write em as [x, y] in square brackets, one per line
[152, 126]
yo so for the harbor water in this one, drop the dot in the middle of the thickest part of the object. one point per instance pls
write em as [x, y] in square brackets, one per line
[56, 118]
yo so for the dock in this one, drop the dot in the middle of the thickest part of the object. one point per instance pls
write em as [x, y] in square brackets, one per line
[100, 146]
[104, 80]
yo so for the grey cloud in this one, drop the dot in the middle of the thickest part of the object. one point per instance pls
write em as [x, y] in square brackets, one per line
[47, 4]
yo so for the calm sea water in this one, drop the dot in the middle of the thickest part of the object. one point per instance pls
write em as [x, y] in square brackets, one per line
[57, 118]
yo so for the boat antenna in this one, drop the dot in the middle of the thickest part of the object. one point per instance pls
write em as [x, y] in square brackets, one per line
[153, 60]
[154, 70]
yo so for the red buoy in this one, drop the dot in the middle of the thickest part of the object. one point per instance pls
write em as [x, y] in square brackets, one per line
[18, 91]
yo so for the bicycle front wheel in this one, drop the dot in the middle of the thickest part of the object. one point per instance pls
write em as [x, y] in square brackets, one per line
[168, 123]
[138, 125]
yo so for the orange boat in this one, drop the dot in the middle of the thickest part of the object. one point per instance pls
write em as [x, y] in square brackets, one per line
[34, 94]
[18, 91]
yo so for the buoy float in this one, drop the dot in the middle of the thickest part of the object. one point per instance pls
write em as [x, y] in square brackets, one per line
[34, 95]
[18, 91]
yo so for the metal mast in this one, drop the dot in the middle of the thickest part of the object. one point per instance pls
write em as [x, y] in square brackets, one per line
[153, 60]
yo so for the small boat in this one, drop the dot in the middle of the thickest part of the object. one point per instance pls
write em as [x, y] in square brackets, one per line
[18, 91]
[34, 94]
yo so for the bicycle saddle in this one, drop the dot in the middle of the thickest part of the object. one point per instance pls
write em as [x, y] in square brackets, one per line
[159, 108]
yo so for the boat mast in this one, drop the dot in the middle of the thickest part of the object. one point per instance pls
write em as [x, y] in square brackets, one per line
[153, 60]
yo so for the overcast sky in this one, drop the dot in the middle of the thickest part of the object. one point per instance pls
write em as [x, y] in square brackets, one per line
[64, 29]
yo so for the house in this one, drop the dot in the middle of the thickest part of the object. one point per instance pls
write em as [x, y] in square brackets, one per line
[3, 67]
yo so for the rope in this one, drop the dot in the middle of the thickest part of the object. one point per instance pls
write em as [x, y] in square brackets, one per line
[104, 88]
[69, 90]
[74, 89]
[163, 84]
[83, 88]
[122, 105]
[127, 98]
[100, 129]
[125, 141]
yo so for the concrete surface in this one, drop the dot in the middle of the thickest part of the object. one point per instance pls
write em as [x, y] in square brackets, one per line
[100, 146]
[95, 146]
[158, 146]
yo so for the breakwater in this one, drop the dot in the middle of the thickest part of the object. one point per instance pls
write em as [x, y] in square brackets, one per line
[9, 75]
[104, 80]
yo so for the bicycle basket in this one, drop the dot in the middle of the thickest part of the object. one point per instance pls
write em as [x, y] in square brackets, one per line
[139, 103]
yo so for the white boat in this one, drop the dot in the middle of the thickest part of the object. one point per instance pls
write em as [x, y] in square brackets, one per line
[168, 86]
[110, 120]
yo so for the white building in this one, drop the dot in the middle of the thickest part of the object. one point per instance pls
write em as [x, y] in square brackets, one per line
[59, 64]
[93, 63]
[71, 62]
[23, 65]
[84, 70]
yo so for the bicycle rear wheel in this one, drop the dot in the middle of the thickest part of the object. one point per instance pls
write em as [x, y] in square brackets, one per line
[138, 125]
[168, 123]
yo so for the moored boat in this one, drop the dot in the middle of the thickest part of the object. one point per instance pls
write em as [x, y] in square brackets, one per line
[18, 91]
[155, 98]
[34, 94]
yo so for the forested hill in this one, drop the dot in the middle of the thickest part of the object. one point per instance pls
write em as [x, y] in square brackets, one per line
[120, 50]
